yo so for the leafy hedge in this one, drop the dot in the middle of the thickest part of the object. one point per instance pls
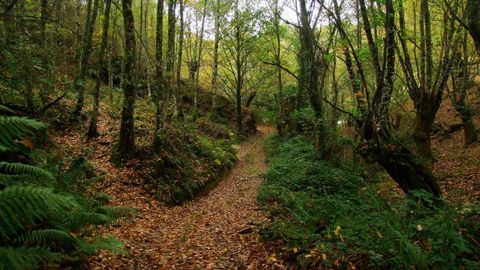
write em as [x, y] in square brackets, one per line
[328, 216]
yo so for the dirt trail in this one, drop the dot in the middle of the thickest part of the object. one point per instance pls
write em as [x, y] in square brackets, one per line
[216, 231]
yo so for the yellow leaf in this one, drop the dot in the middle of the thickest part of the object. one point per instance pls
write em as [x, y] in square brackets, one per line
[337, 231]
[26, 142]
[380, 235]
[324, 256]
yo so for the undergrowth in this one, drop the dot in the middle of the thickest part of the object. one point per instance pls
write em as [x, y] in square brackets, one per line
[47, 220]
[188, 161]
[328, 216]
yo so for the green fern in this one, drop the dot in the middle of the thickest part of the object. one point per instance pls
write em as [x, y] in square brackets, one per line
[15, 128]
[79, 219]
[21, 258]
[23, 169]
[45, 237]
[21, 206]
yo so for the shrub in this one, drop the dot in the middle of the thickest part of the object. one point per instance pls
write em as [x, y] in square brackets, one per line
[328, 217]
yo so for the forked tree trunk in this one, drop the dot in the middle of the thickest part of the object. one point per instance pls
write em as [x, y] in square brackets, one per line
[126, 144]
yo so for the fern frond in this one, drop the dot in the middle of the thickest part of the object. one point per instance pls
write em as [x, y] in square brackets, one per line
[78, 219]
[21, 206]
[21, 258]
[22, 169]
[45, 237]
[14, 128]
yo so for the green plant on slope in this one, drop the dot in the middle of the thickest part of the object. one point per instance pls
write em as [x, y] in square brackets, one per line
[328, 217]
[40, 227]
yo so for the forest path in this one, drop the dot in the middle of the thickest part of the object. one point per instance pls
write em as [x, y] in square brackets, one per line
[216, 231]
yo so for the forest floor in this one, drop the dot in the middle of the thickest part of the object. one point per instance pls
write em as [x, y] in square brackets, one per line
[216, 231]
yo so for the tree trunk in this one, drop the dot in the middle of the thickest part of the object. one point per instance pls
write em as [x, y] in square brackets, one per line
[179, 91]
[87, 47]
[215, 58]
[426, 110]
[170, 61]
[92, 128]
[473, 20]
[403, 167]
[469, 130]
[126, 144]
[159, 89]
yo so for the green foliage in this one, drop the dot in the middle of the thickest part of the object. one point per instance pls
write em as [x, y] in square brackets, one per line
[42, 227]
[327, 215]
[14, 129]
[189, 162]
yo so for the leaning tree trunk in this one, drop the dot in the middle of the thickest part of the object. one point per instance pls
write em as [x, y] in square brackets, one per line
[87, 47]
[473, 20]
[126, 144]
[402, 166]
[92, 128]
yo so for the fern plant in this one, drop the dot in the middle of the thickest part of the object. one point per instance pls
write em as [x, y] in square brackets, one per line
[41, 227]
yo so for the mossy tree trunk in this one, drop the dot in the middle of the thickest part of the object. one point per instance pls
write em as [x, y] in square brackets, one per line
[85, 55]
[126, 144]
[92, 127]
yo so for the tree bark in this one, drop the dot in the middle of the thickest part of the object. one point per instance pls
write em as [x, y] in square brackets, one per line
[92, 127]
[179, 91]
[159, 96]
[170, 58]
[126, 144]
[215, 58]
[87, 47]
[473, 21]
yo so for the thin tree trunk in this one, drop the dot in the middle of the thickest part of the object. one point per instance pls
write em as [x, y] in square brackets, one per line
[45, 58]
[159, 96]
[170, 58]
[215, 58]
[473, 20]
[126, 144]
[278, 53]
[87, 47]
[179, 90]
[92, 128]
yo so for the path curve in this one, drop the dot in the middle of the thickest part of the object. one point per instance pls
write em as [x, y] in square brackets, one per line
[216, 231]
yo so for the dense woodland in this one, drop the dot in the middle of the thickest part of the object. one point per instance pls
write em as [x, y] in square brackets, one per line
[317, 134]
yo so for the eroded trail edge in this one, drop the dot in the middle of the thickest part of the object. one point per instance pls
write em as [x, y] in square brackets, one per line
[216, 231]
